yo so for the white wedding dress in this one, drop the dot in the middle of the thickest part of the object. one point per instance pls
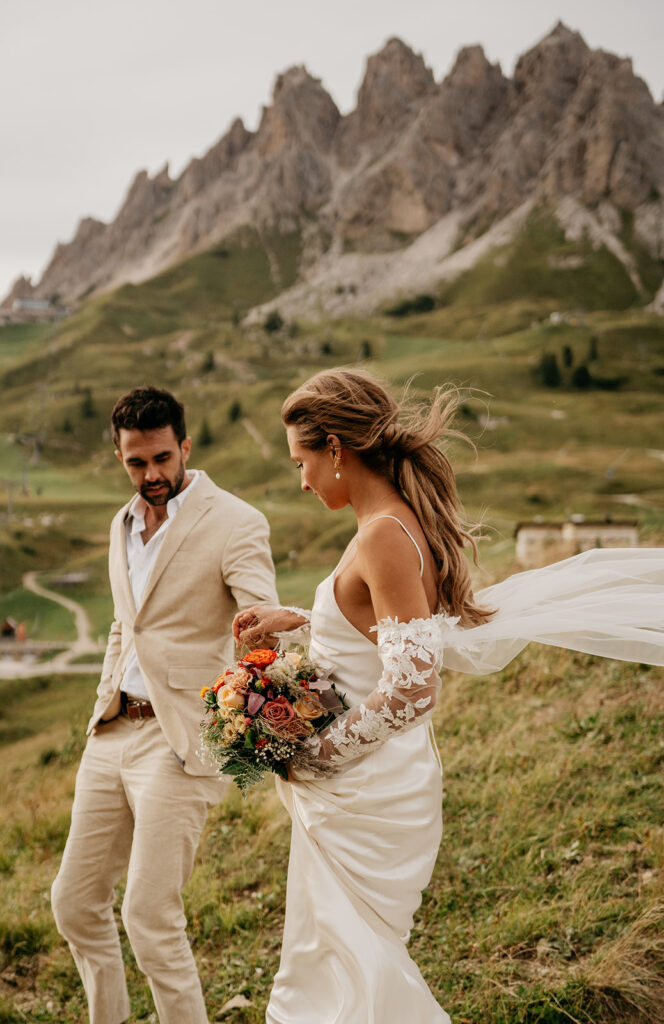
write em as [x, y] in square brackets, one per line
[363, 847]
[364, 841]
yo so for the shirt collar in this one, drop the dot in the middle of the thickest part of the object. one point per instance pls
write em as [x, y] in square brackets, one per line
[136, 512]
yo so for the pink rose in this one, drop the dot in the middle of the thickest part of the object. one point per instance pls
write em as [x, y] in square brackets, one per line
[278, 711]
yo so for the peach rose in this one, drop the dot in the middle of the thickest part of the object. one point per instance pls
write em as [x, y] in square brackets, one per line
[229, 697]
[308, 708]
[239, 680]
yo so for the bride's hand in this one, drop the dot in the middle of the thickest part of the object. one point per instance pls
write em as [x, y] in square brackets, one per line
[257, 625]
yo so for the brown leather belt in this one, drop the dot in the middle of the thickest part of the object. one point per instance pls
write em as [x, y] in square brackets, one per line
[133, 707]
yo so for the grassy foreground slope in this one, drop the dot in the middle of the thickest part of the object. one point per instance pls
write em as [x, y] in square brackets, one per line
[547, 904]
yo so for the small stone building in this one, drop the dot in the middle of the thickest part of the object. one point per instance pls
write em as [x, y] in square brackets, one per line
[540, 543]
[8, 628]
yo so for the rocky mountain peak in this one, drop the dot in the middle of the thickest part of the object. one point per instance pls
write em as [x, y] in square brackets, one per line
[88, 229]
[302, 113]
[554, 64]
[222, 157]
[237, 135]
[394, 80]
[471, 68]
[294, 78]
[571, 124]
[146, 199]
[610, 141]
[162, 178]
[22, 288]
[466, 111]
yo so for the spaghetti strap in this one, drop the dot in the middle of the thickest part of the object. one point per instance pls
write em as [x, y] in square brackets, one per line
[406, 530]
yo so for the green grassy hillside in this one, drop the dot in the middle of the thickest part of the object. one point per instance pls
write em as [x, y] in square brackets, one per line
[541, 263]
[59, 478]
[547, 902]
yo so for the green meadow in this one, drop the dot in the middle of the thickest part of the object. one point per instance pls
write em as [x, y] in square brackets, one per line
[547, 904]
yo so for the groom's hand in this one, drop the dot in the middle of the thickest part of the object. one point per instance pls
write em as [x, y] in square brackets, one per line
[253, 627]
[256, 626]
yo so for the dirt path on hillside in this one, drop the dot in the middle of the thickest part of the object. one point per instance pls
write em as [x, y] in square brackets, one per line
[254, 433]
[83, 644]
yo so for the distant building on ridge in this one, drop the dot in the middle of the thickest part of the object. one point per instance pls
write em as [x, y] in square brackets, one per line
[540, 543]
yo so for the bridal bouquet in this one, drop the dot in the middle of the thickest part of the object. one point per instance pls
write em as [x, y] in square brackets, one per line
[260, 711]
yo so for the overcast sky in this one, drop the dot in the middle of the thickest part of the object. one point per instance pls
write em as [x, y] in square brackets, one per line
[91, 92]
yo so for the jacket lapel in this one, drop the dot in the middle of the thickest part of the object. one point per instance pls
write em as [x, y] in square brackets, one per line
[195, 506]
[119, 565]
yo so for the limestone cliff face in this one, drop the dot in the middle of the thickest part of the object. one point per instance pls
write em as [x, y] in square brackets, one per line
[435, 159]
[471, 150]
[395, 84]
[288, 172]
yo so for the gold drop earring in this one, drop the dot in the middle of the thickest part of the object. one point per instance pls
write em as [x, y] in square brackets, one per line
[337, 463]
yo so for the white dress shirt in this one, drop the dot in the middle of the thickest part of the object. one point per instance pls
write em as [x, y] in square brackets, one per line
[140, 560]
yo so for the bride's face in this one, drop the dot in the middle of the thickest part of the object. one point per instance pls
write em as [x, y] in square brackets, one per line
[317, 472]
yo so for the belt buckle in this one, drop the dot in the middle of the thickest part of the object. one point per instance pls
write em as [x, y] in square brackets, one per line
[137, 709]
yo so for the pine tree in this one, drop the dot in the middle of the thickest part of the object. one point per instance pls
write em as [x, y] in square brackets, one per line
[88, 407]
[205, 437]
[581, 378]
[273, 322]
[549, 371]
[234, 411]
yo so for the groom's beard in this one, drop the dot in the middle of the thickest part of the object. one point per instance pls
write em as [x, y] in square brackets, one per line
[153, 493]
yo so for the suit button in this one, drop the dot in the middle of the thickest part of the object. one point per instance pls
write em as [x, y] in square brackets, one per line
[137, 629]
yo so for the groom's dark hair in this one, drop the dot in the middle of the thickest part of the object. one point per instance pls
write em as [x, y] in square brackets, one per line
[147, 408]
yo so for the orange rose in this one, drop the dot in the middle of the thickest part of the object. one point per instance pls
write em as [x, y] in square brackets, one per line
[261, 658]
[218, 683]
[206, 689]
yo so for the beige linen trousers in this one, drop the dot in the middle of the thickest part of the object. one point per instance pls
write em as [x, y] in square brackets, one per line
[142, 794]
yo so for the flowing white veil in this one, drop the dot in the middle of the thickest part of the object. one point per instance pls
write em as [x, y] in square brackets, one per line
[607, 601]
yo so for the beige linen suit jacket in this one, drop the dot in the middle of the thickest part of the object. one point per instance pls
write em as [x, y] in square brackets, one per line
[214, 560]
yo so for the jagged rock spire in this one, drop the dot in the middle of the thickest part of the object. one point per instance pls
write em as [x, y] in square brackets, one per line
[570, 122]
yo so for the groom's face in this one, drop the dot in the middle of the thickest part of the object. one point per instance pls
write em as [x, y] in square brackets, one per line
[155, 462]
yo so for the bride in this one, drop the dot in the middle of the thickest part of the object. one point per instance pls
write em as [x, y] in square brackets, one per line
[365, 799]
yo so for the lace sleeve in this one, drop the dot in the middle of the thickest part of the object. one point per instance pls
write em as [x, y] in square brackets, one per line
[405, 696]
[299, 634]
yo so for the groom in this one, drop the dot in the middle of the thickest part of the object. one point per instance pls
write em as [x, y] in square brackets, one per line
[184, 557]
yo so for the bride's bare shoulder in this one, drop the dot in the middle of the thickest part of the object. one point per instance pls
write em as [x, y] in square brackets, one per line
[390, 540]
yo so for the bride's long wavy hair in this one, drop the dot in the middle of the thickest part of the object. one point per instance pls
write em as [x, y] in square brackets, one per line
[402, 444]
